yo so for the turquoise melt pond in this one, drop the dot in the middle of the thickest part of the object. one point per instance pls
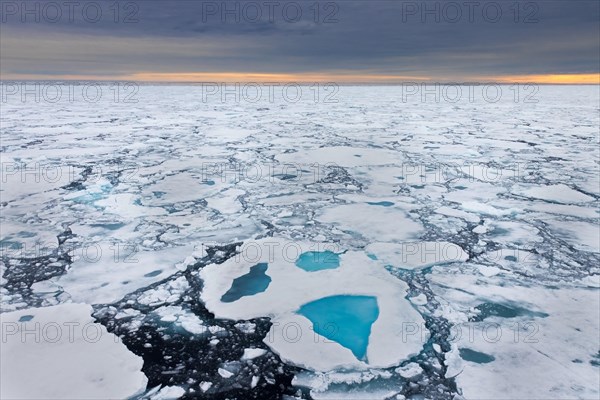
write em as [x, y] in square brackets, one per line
[318, 260]
[255, 281]
[344, 319]
[475, 356]
[381, 203]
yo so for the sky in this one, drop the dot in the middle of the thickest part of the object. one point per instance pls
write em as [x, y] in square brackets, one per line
[377, 41]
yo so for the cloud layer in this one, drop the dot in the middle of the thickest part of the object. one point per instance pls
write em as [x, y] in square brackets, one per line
[432, 39]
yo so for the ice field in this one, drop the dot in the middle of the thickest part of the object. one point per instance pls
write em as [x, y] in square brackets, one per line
[371, 248]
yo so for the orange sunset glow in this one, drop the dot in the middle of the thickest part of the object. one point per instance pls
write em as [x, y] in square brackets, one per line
[317, 77]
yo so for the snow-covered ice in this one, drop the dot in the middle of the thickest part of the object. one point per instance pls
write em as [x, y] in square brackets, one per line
[467, 217]
[60, 353]
[292, 335]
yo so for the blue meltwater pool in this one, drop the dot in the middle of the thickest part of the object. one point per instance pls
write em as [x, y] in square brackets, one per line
[344, 319]
[317, 260]
[255, 281]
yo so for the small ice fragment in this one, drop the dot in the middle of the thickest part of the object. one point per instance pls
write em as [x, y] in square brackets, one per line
[419, 300]
[480, 229]
[169, 393]
[410, 371]
[489, 271]
[250, 354]
[246, 327]
[224, 373]
[204, 386]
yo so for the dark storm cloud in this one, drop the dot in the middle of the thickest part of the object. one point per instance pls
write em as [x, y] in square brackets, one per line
[387, 37]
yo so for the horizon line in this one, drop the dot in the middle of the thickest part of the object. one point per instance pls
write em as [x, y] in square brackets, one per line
[343, 79]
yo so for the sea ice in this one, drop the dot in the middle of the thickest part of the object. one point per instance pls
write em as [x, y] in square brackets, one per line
[526, 353]
[60, 353]
[295, 337]
[391, 224]
[556, 193]
[107, 272]
[417, 255]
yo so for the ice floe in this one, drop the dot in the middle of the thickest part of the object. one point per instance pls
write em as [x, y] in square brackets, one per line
[416, 255]
[293, 336]
[521, 341]
[106, 272]
[383, 223]
[60, 353]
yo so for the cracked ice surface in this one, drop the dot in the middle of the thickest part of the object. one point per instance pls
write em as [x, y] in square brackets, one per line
[453, 216]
